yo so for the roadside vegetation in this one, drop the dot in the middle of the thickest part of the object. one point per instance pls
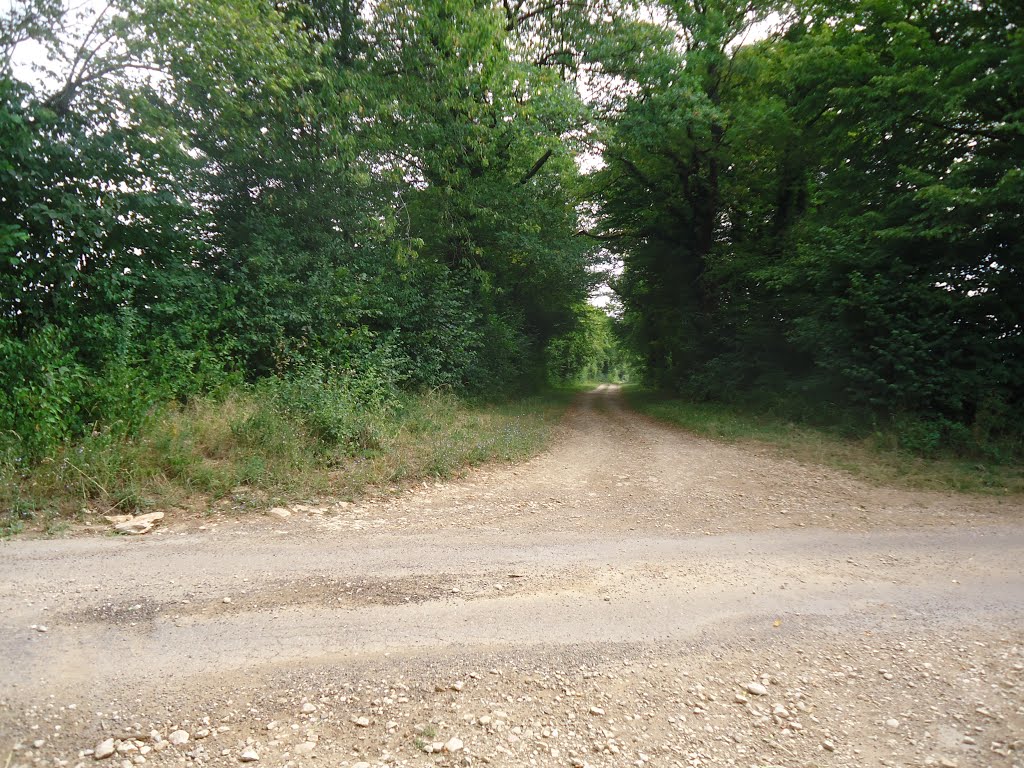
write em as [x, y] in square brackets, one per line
[274, 443]
[875, 455]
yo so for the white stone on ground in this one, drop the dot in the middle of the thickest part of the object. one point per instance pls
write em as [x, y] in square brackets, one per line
[104, 749]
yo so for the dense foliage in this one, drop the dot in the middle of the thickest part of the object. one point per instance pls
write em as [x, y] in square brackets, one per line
[229, 190]
[830, 220]
[362, 197]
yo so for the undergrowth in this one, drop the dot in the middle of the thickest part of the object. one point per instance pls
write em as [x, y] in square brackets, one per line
[281, 440]
[878, 455]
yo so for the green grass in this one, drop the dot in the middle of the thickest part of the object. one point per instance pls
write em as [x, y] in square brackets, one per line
[243, 445]
[872, 458]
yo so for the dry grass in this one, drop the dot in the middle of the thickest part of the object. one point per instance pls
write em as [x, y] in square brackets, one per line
[193, 455]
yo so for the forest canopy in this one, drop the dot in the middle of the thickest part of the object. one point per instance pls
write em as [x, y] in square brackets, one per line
[814, 206]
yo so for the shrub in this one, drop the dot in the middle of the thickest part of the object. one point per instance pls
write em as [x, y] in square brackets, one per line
[40, 388]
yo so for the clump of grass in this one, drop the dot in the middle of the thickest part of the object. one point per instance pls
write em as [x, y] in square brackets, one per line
[874, 457]
[301, 444]
[428, 734]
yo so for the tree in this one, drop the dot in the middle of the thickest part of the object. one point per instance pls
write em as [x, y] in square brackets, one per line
[829, 217]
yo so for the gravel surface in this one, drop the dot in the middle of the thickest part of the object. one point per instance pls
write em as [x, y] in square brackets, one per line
[633, 597]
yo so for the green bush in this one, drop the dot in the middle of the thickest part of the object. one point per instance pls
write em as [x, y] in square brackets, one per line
[339, 409]
[41, 385]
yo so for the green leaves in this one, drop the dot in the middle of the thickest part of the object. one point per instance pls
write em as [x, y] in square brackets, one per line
[832, 215]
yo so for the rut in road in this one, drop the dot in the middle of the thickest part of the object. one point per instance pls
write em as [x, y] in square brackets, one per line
[609, 602]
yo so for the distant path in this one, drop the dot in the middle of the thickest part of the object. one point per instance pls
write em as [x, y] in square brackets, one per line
[627, 542]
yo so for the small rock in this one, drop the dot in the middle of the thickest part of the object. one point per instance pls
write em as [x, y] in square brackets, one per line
[177, 738]
[139, 524]
[362, 722]
[454, 744]
[755, 689]
[308, 708]
[596, 711]
[151, 517]
[38, 743]
[828, 746]
[226, 600]
[115, 519]
[458, 685]
[362, 764]
[305, 748]
[249, 755]
[202, 733]
[892, 723]
[104, 749]
[280, 512]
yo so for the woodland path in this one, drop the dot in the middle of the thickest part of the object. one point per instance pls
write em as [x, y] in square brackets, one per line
[611, 602]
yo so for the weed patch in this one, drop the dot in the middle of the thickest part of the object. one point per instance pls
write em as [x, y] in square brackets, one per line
[276, 441]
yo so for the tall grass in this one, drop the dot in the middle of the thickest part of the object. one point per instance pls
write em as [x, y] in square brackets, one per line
[271, 444]
[876, 457]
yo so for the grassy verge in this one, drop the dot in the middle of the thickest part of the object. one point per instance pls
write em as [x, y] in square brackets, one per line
[246, 445]
[871, 458]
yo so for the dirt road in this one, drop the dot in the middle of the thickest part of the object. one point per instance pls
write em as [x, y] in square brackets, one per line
[634, 596]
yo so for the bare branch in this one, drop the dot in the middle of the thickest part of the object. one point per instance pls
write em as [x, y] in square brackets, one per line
[537, 166]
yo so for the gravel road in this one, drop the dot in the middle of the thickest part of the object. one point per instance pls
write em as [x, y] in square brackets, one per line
[635, 596]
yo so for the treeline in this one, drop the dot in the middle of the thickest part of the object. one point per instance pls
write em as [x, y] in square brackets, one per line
[817, 207]
[200, 193]
[828, 222]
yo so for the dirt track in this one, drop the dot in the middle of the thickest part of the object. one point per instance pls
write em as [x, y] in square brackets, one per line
[608, 603]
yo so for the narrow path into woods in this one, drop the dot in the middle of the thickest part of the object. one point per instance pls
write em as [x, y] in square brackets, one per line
[635, 596]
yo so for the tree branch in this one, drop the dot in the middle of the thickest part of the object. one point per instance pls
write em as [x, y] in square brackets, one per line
[601, 237]
[537, 166]
[971, 134]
